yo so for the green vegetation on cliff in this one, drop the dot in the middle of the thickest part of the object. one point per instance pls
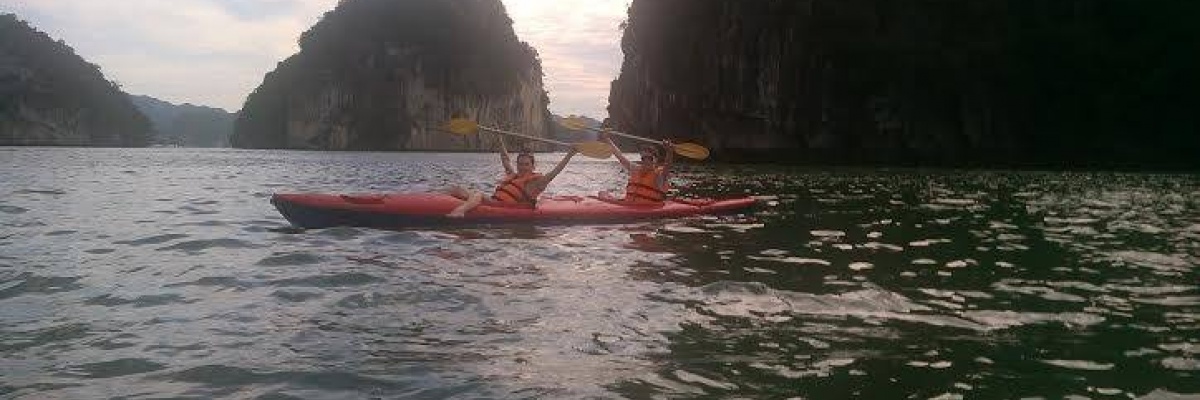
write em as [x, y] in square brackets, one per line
[983, 82]
[372, 73]
[49, 96]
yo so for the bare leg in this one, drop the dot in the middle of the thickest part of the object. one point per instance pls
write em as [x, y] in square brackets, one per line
[458, 192]
[462, 209]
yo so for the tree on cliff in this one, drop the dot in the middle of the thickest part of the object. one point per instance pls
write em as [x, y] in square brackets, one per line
[51, 96]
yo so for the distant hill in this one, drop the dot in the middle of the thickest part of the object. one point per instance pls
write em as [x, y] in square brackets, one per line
[571, 135]
[50, 96]
[186, 124]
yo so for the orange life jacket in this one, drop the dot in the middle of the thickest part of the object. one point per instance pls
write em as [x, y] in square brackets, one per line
[646, 185]
[512, 189]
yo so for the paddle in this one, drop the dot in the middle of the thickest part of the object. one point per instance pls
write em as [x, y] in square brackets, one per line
[689, 150]
[464, 126]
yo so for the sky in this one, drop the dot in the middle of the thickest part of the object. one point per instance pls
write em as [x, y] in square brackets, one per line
[215, 52]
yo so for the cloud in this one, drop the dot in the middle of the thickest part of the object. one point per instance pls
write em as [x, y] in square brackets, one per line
[215, 52]
[211, 52]
[579, 42]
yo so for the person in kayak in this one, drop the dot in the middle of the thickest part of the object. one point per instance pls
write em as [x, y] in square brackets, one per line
[520, 186]
[648, 179]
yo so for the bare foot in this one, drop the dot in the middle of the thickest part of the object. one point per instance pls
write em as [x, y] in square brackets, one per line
[457, 214]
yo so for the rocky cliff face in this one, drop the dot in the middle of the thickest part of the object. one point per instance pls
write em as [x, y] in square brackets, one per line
[986, 82]
[387, 74]
[49, 96]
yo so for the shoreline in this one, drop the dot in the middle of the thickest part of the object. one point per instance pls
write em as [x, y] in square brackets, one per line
[782, 159]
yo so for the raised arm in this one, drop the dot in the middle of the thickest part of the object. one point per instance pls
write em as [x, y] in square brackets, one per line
[508, 169]
[545, 180]
[668, 157]
[617, 151]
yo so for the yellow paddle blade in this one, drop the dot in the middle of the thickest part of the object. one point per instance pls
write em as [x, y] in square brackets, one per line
[594, 149]
[574, 123]
[691, 150]
[462, 126]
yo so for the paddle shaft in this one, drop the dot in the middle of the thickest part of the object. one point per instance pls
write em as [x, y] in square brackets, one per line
[689, 150]
[521, 135]
[623, 134]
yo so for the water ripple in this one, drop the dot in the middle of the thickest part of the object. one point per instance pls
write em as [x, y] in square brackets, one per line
[165, 273]
[196, 246]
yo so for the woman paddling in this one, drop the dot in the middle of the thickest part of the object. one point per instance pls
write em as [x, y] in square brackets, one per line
[648, 179]
[518, 187]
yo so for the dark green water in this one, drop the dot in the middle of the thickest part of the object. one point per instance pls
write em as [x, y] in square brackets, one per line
[164, 273]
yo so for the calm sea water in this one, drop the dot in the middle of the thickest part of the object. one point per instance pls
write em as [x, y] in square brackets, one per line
[156, 273]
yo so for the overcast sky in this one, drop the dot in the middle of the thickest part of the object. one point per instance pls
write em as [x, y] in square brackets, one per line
[214, 52]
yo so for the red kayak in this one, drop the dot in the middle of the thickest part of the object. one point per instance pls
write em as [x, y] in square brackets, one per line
[425, 209]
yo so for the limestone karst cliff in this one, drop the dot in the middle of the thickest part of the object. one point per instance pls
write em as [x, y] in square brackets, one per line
[387, 74]
[49, 96]
[986, 82]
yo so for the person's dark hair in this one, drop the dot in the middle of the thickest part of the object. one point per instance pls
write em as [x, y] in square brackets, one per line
[525, 154]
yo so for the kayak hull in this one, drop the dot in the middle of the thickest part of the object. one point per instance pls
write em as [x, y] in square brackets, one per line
[429, 209]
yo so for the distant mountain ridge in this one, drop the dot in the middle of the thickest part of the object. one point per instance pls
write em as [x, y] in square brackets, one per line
[186, 124]
[574, 135]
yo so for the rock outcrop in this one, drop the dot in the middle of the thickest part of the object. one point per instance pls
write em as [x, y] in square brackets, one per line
[49, 96]
[388, 74]
[1072, 83]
